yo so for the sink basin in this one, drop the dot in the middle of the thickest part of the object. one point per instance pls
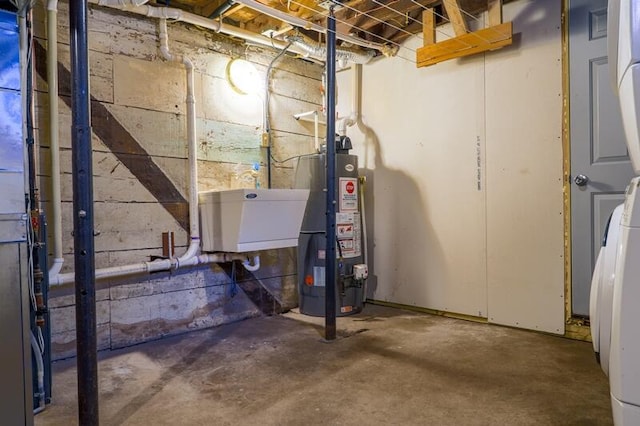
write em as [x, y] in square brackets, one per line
[242, 220]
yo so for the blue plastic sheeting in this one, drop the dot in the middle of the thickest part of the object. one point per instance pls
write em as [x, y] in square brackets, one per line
[11, 144]
[9, 52]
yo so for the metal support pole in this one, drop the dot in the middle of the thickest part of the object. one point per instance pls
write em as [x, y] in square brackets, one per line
[330, 260]
[83, 216]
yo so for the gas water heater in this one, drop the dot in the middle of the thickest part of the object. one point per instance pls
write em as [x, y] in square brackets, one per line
[352, 271]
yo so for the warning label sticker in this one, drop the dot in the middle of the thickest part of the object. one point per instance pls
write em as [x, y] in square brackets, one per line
[349, 234]
[348, 194]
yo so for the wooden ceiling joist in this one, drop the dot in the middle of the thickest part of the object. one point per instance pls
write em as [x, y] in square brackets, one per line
[465, 43]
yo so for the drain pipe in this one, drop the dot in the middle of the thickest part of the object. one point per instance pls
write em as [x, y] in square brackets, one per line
[352, 119]
[52, 80]
[194, 227]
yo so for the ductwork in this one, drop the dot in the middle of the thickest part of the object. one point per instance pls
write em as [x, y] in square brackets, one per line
[320, 51]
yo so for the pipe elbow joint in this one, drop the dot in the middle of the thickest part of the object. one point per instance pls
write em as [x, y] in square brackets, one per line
[249, 267]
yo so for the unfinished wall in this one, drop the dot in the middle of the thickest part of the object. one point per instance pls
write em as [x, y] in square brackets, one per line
[464, 165]
[141, 176]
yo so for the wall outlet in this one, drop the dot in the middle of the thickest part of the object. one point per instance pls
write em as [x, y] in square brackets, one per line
[264, 142]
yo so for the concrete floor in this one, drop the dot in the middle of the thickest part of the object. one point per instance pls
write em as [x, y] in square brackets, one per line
[389, 367]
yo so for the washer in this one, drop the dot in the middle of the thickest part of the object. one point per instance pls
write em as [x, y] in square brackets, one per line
[601, 302]
[624, 364]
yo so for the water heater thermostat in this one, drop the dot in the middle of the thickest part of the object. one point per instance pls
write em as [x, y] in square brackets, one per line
[360, 271]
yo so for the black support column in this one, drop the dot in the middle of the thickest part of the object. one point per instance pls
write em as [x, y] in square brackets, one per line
[83, 216]
[330, 260]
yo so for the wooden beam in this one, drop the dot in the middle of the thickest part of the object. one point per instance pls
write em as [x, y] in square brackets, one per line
[495, 12]
[428, 27]
[491, 38]
[208, 8]
[369, 18]
[455, 16]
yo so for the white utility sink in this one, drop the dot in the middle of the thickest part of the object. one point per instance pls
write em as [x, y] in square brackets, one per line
[242, 220]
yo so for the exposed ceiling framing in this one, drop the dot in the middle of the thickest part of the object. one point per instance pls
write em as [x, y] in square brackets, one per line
[379, 21]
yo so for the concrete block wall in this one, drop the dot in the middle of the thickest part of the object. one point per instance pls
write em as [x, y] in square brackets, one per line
[141, 177]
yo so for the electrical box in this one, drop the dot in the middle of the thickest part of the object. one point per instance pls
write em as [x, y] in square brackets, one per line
[243, 220]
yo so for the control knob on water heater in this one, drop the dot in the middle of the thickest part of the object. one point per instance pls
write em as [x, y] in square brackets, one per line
[360, 271]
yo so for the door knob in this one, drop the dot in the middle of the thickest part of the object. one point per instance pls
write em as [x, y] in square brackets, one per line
[581, 180]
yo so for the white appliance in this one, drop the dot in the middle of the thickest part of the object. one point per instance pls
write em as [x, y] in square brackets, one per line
[242, 220]
[624, 363]
[624, 366]
[601, 301]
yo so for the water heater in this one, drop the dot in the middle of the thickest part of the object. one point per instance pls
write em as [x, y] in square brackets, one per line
[352, 272]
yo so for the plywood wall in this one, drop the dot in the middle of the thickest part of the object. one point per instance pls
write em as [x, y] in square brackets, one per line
[139, 140]
[464, 166]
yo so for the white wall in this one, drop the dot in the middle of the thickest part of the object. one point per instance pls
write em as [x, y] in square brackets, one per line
[464, 163]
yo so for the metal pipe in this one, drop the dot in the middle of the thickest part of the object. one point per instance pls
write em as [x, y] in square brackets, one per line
[192, 144]
[330, 231]
[222, 9]
[84, 252]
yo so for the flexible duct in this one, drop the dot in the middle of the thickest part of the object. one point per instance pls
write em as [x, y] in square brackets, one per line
[320, 51]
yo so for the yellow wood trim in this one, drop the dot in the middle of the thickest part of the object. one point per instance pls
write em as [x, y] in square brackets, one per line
[455, 17]
[476, 42]
[428, 27]
[578, 332]
[495, 12]
[566, 166]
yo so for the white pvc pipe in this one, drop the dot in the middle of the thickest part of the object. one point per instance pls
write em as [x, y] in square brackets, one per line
[194, 227]
[161, 265]
[52, 81]
[352, 119]
[122, 3]
[252, 268]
